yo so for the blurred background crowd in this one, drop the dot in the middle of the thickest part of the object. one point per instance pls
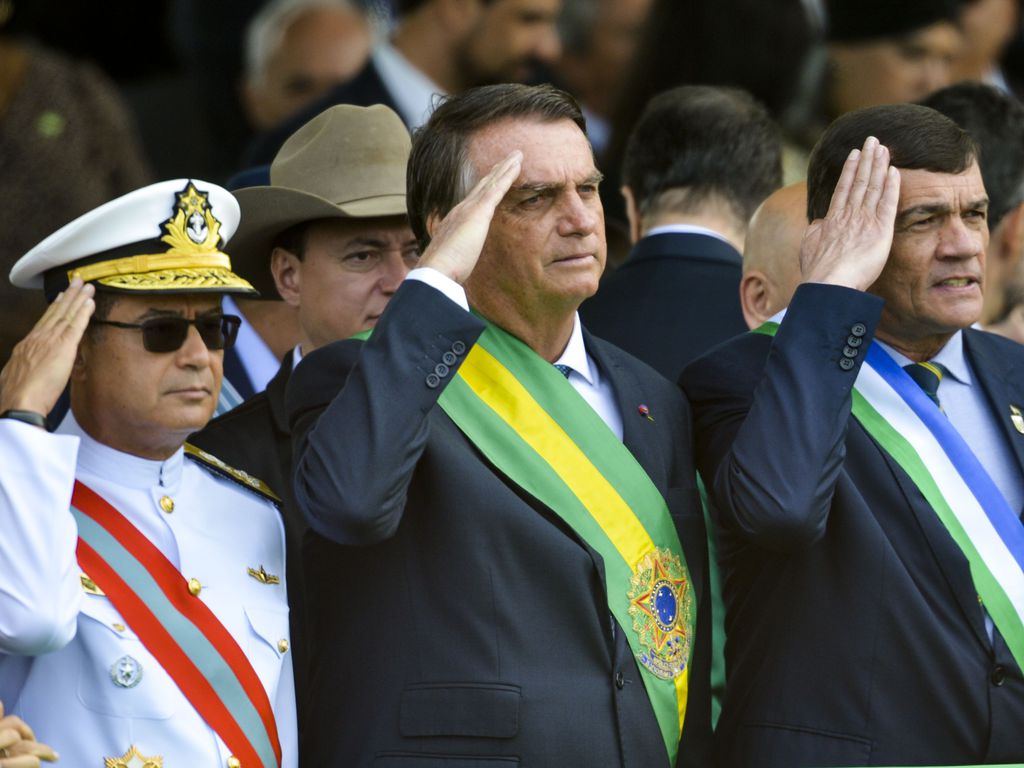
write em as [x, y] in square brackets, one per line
[95, 104]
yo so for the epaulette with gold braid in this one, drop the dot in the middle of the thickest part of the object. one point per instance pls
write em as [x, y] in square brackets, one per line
[242, 478]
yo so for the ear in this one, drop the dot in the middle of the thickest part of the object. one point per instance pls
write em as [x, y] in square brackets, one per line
[632, 213]
[754, 298]
[80, 368]
[432, 223]
[287, 270]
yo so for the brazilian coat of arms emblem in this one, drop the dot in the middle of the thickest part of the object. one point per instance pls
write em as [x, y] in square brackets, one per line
[661, 605]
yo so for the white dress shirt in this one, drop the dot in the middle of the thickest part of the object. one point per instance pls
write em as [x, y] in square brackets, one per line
[584, 375]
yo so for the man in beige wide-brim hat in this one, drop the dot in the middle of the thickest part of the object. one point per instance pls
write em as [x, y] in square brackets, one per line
[330, 234]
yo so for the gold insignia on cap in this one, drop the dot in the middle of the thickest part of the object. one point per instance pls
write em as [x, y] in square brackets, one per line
[262, 576]
[89, 586]
[133, 759]
[193, 226]
[191, 262]
[1017, 418]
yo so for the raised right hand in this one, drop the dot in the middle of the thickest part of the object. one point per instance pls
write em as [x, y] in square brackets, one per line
[851, 244]
[40, 365]
[457, 239]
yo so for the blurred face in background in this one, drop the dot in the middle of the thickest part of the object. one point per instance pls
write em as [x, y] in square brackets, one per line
[321, 48]
[507, 40]
[594, 73]
[891, 71]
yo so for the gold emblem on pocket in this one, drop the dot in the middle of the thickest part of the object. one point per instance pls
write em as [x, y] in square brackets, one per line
[262, 576]
[89, 586]
[133, 759]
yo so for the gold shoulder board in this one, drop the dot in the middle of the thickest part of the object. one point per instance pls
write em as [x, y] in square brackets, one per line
[242, 478]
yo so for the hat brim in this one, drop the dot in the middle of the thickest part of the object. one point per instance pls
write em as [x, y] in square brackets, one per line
[269, 211]
[168, 281]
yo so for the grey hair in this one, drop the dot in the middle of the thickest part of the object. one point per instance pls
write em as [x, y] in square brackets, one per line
[267, 29]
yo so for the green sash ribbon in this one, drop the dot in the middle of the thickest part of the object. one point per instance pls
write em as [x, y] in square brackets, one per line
[921, 440]
[524, 416]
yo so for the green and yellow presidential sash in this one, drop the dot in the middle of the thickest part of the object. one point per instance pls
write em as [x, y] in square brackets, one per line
[528, 421]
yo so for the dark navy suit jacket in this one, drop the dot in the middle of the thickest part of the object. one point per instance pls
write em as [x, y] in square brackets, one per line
[457, 620]
[676, 296]
[854, 632]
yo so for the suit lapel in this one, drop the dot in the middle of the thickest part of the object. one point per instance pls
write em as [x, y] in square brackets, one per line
[996, 376]
[947, 555]
[639, 434]
[1000, 383]
[276, 393]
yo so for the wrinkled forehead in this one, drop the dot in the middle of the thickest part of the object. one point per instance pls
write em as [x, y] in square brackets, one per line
[919, 186]
[536, 138]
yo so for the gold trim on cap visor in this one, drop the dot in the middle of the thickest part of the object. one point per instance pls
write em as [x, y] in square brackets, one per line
[210, 279]
[158, 262]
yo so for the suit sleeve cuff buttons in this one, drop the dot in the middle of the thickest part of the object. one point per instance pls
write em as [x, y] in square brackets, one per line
[853, 346]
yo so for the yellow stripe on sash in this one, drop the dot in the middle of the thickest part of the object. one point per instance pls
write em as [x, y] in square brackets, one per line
[495, 385]
[503, 393]
[682, 689]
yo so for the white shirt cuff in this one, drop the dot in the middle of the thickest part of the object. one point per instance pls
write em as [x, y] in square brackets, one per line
[443, 283]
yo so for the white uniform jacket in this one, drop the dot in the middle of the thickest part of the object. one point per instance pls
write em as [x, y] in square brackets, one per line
[69, 664]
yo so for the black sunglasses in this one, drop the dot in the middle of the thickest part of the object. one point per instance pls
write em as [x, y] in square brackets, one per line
[167, 334]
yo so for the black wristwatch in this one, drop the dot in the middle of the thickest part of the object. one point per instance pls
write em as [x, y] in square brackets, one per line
[29, 417]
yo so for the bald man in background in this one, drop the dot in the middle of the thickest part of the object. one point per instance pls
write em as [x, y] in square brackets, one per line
[771, 254]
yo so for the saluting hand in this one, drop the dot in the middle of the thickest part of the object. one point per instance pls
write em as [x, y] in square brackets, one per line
[18, 745]
[457, 239]
[851, 244]
[40, 365]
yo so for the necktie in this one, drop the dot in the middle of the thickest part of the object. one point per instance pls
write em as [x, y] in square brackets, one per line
[928, 376]
[565, 370]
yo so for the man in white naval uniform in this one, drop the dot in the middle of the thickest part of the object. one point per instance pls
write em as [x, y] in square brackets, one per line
[143, 616]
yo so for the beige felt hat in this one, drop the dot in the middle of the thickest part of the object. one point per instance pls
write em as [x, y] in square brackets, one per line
[163, 238]
[347, 162]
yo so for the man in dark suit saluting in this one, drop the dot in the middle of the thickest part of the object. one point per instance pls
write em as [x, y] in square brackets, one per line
[508, 559]
[865, 458]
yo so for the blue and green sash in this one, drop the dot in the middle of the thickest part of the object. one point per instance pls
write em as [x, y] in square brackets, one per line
[183, 634]
[918, 436]
[528, 421]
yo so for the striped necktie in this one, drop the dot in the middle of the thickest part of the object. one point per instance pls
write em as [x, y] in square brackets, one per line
[928, 377]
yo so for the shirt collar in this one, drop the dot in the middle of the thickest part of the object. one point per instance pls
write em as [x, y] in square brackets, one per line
[255, 354]
[951, 357]
[412, 90]
[122, 468]
[684, 229]
[575, 354]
